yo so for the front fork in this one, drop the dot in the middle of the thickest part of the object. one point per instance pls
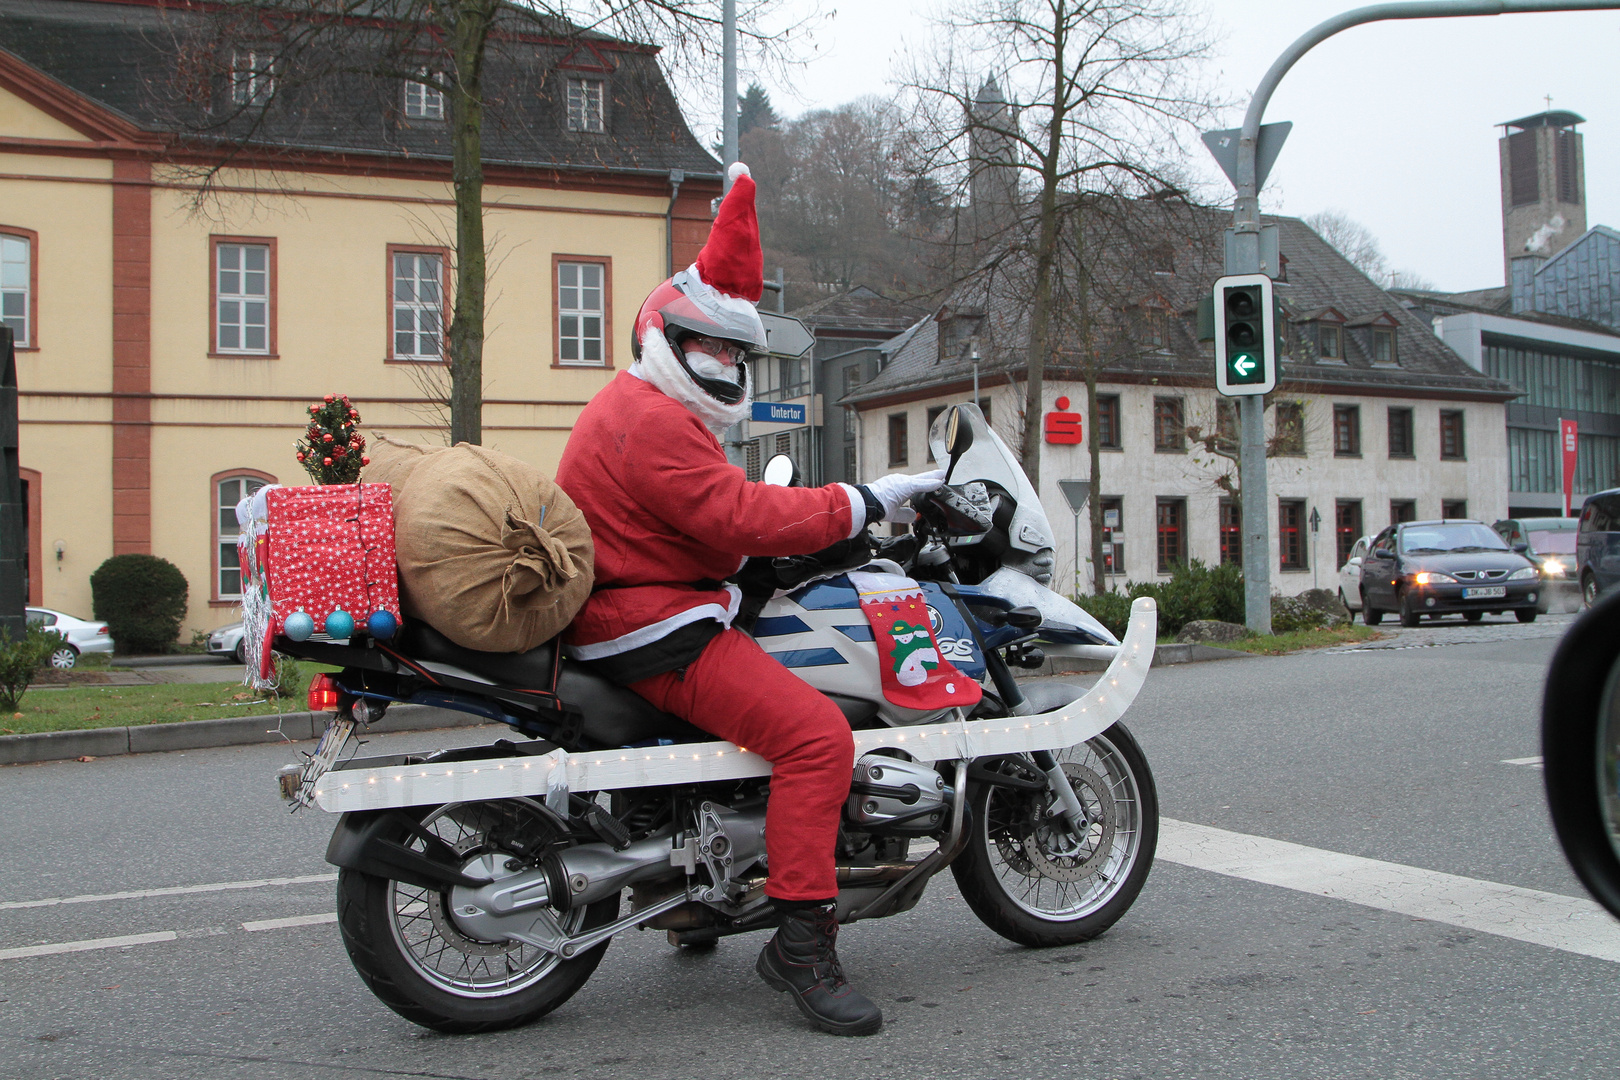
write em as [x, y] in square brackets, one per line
[1068, 808]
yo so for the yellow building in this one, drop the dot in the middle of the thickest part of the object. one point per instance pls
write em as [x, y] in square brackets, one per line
[170, 337]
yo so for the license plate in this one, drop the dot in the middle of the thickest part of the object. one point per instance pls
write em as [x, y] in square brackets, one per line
[1485, 592]
[299, 788]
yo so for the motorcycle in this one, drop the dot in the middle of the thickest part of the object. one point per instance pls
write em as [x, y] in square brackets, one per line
[479, 887]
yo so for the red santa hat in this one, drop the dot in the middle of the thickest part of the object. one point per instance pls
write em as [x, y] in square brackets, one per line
[731, 261]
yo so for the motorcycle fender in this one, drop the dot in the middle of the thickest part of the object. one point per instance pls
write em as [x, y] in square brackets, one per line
[362, 841]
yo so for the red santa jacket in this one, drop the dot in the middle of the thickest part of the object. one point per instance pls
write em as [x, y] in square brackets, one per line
[670, 519]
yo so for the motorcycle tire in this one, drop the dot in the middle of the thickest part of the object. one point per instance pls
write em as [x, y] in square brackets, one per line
[370, 917]
[1035, 883]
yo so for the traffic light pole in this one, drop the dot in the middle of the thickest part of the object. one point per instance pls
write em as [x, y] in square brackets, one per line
[1243, 253]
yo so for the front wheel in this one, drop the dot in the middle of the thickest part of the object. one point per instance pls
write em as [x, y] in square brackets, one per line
[1589, 590]
[408, 948]
[1526, 614]
[1369, 614]
[1409, 614]
[1031, 878]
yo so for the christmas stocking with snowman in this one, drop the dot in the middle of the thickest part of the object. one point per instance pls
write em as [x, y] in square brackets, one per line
[915, 675]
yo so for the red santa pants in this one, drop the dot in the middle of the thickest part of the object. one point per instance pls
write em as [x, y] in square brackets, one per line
[737, 692]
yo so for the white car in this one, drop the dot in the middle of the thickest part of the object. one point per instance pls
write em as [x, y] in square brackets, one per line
[1350, 575]
[82, 637]
[227, 641]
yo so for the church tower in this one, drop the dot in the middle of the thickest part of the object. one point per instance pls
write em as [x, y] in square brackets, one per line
[1543, 191]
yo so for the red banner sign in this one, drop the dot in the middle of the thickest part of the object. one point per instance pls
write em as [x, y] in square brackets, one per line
[1063, 426]
[1569, 441]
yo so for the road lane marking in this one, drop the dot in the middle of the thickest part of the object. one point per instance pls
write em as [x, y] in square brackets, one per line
[296, 920]
[87, 945]
[1533, 762]
[174, 890]
[1568, 923]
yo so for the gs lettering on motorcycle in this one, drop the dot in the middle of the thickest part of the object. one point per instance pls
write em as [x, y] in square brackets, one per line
[958, 650]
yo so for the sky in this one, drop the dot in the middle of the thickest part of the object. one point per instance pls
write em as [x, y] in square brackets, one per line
[1395, 124]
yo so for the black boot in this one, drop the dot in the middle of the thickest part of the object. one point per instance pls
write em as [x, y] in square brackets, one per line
[803, 957]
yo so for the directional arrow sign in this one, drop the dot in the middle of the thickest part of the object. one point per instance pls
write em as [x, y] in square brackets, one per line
[1245, 335]
[785, 335]
[1243, 365]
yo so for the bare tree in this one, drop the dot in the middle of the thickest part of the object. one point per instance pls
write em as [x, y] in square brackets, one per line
[1356, 242]
[1090, 96]
[245, 74]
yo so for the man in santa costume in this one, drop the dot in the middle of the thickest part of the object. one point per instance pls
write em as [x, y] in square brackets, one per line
[671, 519]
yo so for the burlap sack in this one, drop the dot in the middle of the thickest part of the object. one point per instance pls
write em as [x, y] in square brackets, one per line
[492, 554]
[392, 462]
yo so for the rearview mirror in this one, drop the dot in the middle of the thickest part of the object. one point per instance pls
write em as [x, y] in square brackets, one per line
[780, 471]
[1521, 547]
[1580, 748]
[958, 437]
[1383, 553]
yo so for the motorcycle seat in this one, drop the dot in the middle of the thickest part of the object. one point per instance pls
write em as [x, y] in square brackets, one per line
[613, 715]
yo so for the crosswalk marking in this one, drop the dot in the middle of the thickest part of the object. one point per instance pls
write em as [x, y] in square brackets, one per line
[1568, 923]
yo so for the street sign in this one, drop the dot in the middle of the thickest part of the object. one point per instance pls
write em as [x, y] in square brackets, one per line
[1076, 492]
[785, 335]
[1245, 335]
[776, 412]
[1223, 147]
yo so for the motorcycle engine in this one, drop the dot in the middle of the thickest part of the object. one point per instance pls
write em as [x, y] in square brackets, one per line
[894, 797]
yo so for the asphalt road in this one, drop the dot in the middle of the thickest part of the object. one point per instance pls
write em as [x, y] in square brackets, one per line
[1396, 753]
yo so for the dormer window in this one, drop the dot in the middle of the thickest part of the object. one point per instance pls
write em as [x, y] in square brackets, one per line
[1330, 342]
[585, 113]
[957, 331]
[1383, 345]
[423, 102]
[1378, 339]
[1324, 328]
[253, 77]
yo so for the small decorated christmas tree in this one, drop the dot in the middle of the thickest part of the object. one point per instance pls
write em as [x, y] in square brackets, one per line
[333, 450]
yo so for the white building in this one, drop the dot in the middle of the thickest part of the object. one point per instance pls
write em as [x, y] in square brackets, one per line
[1374, 420]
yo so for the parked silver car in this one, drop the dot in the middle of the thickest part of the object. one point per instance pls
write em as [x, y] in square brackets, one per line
[227, 641]
[82, 636]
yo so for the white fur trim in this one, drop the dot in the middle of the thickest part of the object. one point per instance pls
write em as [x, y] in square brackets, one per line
[659, 367]
[738, 169]
[857, 510]
[661, 629]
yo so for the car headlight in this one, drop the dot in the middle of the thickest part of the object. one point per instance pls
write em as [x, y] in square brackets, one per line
[1523, 573]
[1554, 568]
[1431, 577]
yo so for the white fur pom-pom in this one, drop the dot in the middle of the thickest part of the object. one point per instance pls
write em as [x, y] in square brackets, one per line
[737, 169]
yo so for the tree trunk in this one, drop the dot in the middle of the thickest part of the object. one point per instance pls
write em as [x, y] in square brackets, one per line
[469, 32]
[1099, 579]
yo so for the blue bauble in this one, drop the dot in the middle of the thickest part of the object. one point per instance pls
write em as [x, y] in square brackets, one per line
[339, 624]
[299, 626]
[382, 625]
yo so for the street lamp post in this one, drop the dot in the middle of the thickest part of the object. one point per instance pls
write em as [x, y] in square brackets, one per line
[1245, 241]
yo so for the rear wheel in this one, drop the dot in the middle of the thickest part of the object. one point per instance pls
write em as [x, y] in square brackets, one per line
[1526, 614]
[64, 656]
[1031, 878]
[405, 942]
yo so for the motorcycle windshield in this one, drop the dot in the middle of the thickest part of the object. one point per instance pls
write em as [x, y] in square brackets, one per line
[989, 459]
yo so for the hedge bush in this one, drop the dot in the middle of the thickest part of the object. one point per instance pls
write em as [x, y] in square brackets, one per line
[19, 660]
[1194, 591]
[142, 599]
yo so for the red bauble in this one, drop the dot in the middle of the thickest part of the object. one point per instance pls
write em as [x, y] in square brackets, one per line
[365, 461]
[326, 438]
[326, 461]
[300, 455]
[354, 415]
[329, 399]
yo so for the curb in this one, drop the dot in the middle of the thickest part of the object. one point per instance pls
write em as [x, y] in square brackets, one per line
[1162, 656]
[171, 660]
[202, 734]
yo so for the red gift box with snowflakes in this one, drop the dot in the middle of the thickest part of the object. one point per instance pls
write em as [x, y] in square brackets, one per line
[330, 547]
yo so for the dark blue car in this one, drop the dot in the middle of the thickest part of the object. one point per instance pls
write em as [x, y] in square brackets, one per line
[1597, 545]
[1432, 568]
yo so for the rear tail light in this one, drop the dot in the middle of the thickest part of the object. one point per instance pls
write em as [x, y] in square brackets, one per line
[323, 694]
[100, 630]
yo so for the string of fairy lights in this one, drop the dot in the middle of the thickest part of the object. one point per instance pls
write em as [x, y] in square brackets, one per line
[1105, 702]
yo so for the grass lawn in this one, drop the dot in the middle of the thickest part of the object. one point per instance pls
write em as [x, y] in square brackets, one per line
[1277, 644]
[77, 707]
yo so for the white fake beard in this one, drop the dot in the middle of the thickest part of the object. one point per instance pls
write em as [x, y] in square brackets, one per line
[659, 366]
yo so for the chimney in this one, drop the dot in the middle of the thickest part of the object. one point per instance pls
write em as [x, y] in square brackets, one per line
[1543, 193]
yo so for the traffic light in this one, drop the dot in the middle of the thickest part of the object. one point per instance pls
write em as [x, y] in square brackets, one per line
[1245, 335]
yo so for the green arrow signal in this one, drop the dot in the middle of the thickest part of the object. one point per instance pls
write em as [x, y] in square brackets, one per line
[1244, 367]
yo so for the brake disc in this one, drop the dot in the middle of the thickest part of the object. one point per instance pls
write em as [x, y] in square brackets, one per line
[1055, 851]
